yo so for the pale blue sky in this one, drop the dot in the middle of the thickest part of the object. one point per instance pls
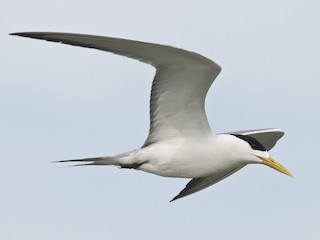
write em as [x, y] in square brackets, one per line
[62, 102]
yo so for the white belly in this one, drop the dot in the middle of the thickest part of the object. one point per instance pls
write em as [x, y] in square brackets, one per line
[188, 159]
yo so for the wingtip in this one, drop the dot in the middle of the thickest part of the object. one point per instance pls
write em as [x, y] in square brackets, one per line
[28, 34]
[18, 34]
[175, 198]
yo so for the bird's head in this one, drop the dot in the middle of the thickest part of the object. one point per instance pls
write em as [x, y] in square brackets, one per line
[259, 154]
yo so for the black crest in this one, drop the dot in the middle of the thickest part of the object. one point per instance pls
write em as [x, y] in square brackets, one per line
[255, 145]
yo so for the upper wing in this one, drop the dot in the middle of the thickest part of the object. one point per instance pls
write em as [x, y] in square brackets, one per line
[178, 90]
[268, 137]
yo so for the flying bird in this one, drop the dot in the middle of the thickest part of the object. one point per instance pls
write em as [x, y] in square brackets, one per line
[180, 143]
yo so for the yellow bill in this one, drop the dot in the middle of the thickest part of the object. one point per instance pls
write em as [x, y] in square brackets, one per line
[275, 165]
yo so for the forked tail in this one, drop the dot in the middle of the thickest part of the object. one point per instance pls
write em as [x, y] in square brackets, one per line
[121, 160]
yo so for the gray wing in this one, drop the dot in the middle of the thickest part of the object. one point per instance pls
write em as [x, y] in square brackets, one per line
[197, 184]
[178, 90]
[268, 137]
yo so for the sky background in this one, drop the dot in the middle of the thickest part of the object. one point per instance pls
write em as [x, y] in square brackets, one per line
[63, 102]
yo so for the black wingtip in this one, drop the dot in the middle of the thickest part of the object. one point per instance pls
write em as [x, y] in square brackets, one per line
[36, 35]
[48, 36]
[18, 34]
[25, 34]
[175, 198]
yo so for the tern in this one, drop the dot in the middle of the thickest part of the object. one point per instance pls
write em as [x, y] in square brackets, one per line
[180, 143]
